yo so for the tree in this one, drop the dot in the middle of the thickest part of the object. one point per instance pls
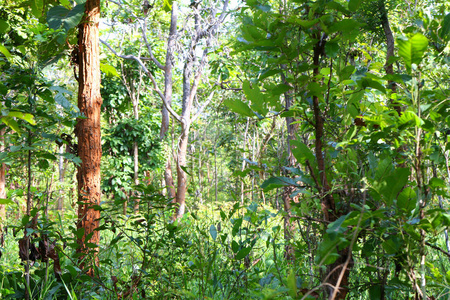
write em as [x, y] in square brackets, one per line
[88, 131]
[199, 34]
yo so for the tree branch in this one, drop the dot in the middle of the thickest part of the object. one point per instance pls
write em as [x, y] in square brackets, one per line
[149, 48]
[202, 108]
[155, 86]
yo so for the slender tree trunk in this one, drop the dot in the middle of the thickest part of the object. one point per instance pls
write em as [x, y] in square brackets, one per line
[168, 87]
[181, 174]
[289, 227]
[61, 169]
[243, 161]
[135, 99]
[88, 132]
[2, 189]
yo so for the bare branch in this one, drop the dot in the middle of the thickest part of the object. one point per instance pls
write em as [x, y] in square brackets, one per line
[202, 108]
[155, 85]
[149, 48]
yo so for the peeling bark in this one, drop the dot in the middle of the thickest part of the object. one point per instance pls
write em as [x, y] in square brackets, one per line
[88, 132]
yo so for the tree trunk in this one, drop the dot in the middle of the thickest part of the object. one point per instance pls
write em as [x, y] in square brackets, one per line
[168, 86]
[62, 171]
[2, 189]
[181, 174]
[88, 132]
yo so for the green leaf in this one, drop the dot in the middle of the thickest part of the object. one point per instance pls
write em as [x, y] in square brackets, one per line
[346, 72]
[239, 107]
[4, 26]
[301, 152]
[243, 253]
[394, 184]
[213, 231]
[5, 52]
[367, 82]
[6, 202]
[406, 200]
[234, 246]
[256, 97]
[168, 5]
[292, 284]
[335, 228]
[58, 16]
[109, 70]
[24, 116]
[184, 168]
[437, 183]
[345, 25]
[412, 49]
[392, 245]
[276, 182]
[11, 123]
[36, 7]
[332, 49]
[444, 33]
[353, 5]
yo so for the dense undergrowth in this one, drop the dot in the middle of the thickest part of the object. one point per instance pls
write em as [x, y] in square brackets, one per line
[219, 251]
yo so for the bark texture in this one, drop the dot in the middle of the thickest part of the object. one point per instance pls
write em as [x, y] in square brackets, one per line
[88, 129]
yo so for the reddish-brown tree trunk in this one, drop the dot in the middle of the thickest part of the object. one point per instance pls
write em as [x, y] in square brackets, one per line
[88, 130]
[334, 271]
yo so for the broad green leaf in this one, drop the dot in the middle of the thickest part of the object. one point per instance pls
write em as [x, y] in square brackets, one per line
[301, 152]
[213, 231]
[59, 16]
[346, 72]
[11, 123]
[437, 183]
[392, 245]
[234, 246]
[243, 253]
[61, 100]
[292, 284]
[353, 5]
[4, 26]
[444, 33]
[327, 250]
[24, 116]
[332, 49]
[36, 7]
[5, 52]
[394, 184]
[367, 82]
[239, 107]
[335, 228]
[6, 202]
[74, 17]
[345, 25]
[256, 97]
[406, 200]
[276, 182]
[109, 70]
[412, 49]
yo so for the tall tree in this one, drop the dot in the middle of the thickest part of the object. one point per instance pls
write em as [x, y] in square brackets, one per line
[199, 35]
[88, 129]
